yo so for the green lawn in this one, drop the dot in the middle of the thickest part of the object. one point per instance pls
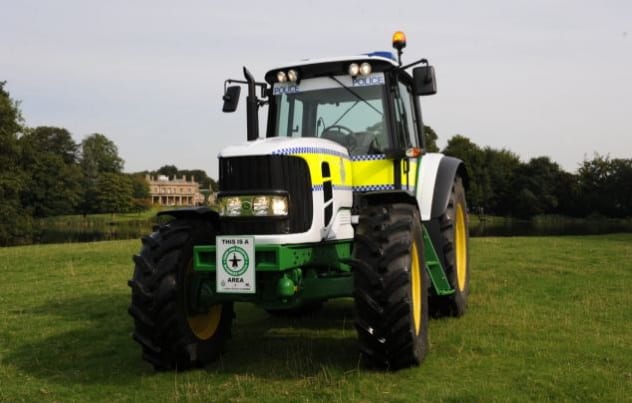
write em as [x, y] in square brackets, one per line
[550, 319]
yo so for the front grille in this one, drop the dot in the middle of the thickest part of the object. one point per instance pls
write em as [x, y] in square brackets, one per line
[260, 174]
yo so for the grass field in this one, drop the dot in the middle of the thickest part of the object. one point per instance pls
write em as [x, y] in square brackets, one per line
[550, 319]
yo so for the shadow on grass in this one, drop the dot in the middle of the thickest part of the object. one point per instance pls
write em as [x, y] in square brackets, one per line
[278, 347]
[87, 340]
[81, 340]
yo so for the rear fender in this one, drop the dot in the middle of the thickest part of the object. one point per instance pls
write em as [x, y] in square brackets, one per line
[437, 174]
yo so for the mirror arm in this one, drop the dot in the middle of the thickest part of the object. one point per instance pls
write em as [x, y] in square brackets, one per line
[425, 61]
[261, 85]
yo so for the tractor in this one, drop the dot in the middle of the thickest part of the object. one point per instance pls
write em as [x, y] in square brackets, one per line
[339, 200]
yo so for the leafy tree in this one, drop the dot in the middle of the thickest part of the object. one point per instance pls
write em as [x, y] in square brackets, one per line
[606, 186]
[170, 171]
[140, 193]
[15, 222]
[569, 195]
[621, 187]
[99, 155]
[480, 191]
[430, 139]
[537, 188]
[501, 167]
[49, 159]
[114, 193]
[200, 177]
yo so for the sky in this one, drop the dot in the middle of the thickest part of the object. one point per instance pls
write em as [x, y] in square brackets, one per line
[537, 77]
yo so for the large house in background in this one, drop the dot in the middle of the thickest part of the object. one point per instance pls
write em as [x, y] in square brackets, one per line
[175, 192]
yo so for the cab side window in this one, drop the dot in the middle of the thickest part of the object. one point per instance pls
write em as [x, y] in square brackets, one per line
[290, 110]
[405, 118]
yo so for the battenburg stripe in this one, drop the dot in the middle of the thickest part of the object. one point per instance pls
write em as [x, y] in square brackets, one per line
[373, 188]
[368, 157]
[309, 150]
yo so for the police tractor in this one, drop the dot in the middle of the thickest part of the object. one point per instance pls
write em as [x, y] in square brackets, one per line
[339, 200]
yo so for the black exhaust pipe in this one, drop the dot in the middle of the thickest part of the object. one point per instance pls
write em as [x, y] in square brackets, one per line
[252, 107]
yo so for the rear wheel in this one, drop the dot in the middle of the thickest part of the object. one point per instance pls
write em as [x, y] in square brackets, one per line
[171, 333]
[390, 287]
[455, 248]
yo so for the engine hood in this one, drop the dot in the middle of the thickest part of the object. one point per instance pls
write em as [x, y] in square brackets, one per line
[285, 146]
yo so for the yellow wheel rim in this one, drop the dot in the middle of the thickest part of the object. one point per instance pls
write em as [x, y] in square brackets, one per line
[416, 284]
[461, 247]
[204, 325]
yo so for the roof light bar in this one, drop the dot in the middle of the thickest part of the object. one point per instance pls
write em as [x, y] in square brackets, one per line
[292, 75]
[354, 69]
[365, 69]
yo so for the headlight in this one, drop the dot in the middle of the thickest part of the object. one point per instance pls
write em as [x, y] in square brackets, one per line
[260, 205]
[249, 206]
[232, 206]
[279, 205]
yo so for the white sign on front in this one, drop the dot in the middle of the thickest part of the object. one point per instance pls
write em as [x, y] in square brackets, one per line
[235, 265]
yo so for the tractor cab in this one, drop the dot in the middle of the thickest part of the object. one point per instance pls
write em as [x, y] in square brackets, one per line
[366, 103]
[350, 110]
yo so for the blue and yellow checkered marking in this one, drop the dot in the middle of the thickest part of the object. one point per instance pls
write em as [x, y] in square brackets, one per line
[359, 173]
[309, 150]
[373, 188]
[368, 157]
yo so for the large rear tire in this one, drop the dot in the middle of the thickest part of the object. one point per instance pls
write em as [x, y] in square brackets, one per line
[171, 334]
[454, 244]
[391, 287]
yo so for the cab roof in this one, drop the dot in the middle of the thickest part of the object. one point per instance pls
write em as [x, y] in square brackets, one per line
[380, 61]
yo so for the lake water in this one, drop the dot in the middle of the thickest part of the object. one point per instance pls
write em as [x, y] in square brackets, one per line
[95, 231]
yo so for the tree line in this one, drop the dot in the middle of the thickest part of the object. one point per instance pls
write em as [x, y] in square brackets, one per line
[501, 184]
[45, 173]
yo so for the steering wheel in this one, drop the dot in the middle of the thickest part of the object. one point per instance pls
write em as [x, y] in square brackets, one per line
[341, 135]
[338, 128]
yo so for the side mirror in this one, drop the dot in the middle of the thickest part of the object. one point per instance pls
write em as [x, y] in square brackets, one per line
[231, 98]
[424, 81]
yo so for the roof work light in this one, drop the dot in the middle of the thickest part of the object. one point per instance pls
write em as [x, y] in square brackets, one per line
[399, 43]
[399, 40]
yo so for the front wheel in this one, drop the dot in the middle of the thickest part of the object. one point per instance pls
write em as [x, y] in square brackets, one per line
[171, 333]
[391, 287]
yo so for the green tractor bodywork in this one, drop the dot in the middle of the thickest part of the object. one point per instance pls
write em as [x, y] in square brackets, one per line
[339, 199]
[288, 276]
